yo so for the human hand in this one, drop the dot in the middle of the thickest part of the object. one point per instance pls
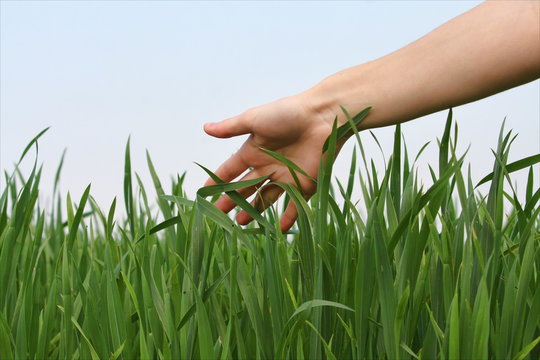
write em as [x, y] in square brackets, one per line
[399, 87]
[291, 127]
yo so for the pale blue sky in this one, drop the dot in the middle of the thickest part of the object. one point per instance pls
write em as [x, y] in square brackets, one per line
[99, 71]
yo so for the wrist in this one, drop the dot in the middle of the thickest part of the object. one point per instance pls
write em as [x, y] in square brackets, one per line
[324, 100]
[347, 88]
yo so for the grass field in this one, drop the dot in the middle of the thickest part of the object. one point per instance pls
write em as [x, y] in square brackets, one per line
[439, 272]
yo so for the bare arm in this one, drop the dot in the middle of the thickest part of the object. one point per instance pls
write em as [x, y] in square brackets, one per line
[491, 48]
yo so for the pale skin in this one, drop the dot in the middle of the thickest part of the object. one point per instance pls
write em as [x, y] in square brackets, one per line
[489, 49]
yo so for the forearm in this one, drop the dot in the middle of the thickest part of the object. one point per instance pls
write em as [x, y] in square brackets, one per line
[491, 48]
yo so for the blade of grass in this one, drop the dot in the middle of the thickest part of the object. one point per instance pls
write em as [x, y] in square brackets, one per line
[32, 142]
[288, 163]
[230, 188]
[514, 166]
[204, 329]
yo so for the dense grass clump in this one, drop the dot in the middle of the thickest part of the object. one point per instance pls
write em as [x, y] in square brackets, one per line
[442, 272]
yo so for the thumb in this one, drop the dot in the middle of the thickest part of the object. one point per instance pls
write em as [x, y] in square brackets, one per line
[227, 128]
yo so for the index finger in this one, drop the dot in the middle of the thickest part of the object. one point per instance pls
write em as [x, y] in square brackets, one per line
[229, 170]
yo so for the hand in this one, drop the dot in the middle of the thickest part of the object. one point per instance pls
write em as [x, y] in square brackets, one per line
[291, 127]
[466, 64]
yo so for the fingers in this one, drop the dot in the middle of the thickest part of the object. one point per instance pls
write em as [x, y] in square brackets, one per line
[225, 203]
[268, 195]
[229, 170]
[238, 125]
[289, 217]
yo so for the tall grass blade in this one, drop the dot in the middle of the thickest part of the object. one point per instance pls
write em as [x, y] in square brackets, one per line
[32, 142]
[514, 166]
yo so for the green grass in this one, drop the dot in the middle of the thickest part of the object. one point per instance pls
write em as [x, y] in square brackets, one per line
[442, 272]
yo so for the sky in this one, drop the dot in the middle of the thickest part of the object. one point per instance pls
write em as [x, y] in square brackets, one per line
[99, 72]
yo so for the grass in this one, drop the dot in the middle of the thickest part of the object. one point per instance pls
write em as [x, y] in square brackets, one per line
[442, 272]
